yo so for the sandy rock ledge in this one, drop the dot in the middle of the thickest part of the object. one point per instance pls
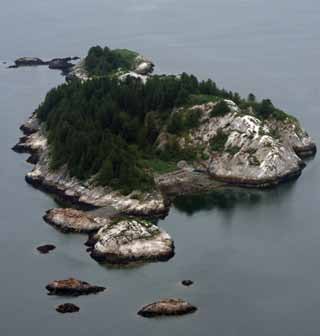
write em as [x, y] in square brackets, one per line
[71, 220]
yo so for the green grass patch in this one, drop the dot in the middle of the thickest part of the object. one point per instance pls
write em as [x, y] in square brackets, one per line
[160, 166]
[199, 99]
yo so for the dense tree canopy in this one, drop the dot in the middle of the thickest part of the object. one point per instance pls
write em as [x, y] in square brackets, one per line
[106, 128]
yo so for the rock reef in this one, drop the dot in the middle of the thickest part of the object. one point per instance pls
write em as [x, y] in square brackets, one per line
[67, 308]
[72, 287]
[167, 307]
[64, 64]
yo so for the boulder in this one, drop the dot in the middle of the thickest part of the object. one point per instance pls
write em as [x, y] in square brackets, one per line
[72, 287]
[167, 307]
[44, 249]
[67, 308]
[132, 240]
[71, 220]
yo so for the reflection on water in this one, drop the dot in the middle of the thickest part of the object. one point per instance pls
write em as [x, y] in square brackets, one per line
[229, 198]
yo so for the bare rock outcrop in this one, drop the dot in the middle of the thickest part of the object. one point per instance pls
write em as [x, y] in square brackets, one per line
[71, 220]
[72, 287]
[167, 307]
[239, 148]
[131, 240]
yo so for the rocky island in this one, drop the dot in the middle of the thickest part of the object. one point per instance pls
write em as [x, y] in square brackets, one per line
[117, 137]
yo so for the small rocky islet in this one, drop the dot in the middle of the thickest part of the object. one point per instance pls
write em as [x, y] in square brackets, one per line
[45, 249]
[67, 308]
[232, 141]
[167, 307]
[72, 287]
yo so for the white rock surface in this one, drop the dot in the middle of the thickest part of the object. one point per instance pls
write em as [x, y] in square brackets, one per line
[132, 240]
[252, 155]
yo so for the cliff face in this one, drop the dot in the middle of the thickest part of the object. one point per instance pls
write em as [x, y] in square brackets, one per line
[241, 149]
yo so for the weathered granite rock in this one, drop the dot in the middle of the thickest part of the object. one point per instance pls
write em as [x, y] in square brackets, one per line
[71, 220]
[72, 287]
[254, 153]
[67, 308]
[167, 307]
[143, 66]
[44, 249]
[33, 143]
[132, 240]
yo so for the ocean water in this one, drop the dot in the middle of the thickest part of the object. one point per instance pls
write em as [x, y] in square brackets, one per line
[254, 255]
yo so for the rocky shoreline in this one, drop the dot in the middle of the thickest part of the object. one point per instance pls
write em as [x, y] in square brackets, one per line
[281, 164]
[64, 64]
[255, 153]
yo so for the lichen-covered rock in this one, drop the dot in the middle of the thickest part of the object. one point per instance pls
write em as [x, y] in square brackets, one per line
[167, 307]
[71, 220]
[72, 287]
[132, 240]
[67, 308]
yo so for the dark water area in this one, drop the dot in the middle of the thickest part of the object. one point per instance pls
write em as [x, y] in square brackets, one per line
[254, 255]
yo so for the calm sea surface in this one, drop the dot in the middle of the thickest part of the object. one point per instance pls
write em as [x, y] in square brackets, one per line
[254, 256]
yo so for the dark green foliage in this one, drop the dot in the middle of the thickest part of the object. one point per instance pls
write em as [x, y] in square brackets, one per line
[220, 110]
[251, 98]
[183, 120]
[265, 109]
[103, 61]
[192, 118]
[233, 150]
[218, 142]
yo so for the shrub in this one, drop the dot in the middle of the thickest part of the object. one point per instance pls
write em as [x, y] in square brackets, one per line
[218, 142]
[220, 109]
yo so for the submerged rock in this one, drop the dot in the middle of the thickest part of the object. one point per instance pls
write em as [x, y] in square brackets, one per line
[187, 283]
[167, 307]
[132, 240]
[44, 249]
[71, 220]
[67, 308]
[72, 287]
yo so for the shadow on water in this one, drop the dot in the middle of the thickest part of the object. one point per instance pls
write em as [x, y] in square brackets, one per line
[231, 197]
